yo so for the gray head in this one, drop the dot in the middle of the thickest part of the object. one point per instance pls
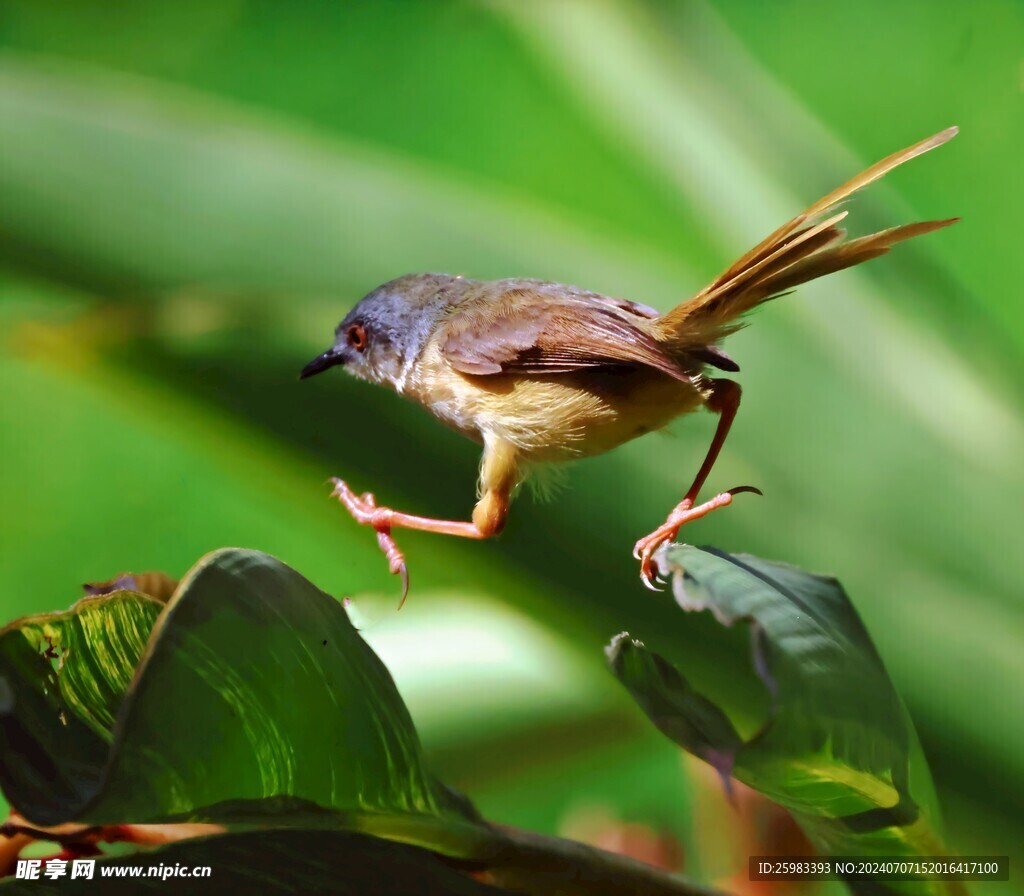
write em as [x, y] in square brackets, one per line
[389, 327]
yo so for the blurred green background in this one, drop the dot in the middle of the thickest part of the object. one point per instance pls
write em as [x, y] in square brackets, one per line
[193, 194]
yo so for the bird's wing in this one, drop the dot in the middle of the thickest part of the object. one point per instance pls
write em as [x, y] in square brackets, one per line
[547, 329]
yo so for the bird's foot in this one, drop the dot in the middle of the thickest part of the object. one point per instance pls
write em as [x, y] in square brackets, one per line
[365, 511]
[668, 531]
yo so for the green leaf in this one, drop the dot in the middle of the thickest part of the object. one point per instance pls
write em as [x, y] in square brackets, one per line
[678, 711]
[62, 680]
[838, 749]
[249, 699]
[254, 700]
[274, 862]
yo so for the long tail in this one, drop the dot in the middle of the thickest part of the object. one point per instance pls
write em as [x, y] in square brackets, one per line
[808, 247]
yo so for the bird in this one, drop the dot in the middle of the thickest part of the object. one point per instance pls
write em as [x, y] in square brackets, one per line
[540, 372]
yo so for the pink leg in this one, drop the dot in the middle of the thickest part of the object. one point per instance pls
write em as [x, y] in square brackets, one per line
[365, 511]
[725, 401]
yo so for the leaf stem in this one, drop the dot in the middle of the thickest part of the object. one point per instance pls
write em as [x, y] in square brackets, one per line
[546, 866]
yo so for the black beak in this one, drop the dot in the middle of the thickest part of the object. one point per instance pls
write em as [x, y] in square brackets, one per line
[330, 358]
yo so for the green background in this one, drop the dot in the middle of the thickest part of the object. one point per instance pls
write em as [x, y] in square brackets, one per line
[193, 194]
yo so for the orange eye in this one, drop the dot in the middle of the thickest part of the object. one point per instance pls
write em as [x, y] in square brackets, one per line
[357, 337]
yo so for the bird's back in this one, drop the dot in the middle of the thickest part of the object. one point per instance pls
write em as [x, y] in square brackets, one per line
[504, 365]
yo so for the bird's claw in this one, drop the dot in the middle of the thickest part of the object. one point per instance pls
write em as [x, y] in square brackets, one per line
[396, 561]
[644, 551]
[740, 489]
[365, 511]
[684, 513]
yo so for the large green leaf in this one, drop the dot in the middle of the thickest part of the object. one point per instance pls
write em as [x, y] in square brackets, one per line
[271, 862]
[250, 699]
[254, 698]
[838, 749]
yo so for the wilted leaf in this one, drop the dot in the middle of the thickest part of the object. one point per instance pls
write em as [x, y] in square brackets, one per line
[155, 584]
[838, 750]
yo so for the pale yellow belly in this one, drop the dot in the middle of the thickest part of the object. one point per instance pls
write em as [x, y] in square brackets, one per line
[563, 416]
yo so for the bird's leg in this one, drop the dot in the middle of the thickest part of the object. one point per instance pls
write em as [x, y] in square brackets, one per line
[365, 511]
[497, 478]
[724, 401]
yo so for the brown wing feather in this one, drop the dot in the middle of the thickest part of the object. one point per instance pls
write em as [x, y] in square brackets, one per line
[801, 250]
[548, 329]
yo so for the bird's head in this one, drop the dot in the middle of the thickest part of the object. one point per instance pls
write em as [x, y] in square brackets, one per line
[385, 332]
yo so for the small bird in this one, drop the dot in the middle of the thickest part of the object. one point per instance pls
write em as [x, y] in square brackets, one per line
[541, 372]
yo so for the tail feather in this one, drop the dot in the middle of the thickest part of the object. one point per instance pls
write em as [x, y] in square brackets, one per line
[847, 254]
[805, 243]
[803, 249]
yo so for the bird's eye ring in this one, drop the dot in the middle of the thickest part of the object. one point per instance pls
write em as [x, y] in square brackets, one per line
[356, 336]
